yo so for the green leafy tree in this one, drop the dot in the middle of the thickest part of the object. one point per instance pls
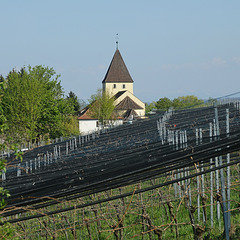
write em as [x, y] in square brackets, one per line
[6, 230]
[71, 126]
[149, 106]
[22, 103]
[190, 101]
[102, 106]
[164, 103]
[33, 104]
[73, 100]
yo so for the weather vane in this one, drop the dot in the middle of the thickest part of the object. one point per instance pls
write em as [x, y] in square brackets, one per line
[117, 41]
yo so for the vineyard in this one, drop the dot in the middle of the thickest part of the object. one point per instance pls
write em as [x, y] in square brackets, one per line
[174, 175]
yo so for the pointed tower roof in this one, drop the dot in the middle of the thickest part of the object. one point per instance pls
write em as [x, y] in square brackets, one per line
[117, 71]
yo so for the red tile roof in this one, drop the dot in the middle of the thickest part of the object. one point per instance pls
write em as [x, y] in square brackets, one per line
[85, 115]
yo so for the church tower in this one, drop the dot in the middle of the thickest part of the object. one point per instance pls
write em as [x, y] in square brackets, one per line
[117, 77]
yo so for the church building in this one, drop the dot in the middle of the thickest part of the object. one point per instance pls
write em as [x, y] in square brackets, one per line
[119, 84]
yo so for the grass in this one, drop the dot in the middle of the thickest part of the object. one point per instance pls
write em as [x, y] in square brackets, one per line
[155, 214]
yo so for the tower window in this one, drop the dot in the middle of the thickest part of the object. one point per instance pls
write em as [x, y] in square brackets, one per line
[114, 86]
[124, 86]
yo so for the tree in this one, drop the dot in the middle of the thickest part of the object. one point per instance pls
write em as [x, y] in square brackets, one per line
[33, 104]
[102, 106]
[189, 101]
[7, 230]
[71, 126]
[149, 106]
[164, 103]
[73, 100]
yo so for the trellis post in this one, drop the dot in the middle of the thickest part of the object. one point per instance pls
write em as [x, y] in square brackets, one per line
[225, 217]
[216, 173]
[228, 174]
[211, 179]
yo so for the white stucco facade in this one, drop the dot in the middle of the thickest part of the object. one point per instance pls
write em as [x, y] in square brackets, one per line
[88, 126]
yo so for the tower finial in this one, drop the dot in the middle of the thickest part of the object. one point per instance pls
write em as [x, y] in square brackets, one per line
[117, 41]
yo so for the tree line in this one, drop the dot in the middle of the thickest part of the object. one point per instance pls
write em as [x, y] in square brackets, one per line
[33, 106]
[181, 102]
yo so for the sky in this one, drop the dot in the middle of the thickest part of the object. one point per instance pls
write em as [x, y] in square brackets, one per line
[171, 48]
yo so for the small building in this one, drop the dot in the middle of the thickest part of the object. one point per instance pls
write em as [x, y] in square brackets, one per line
[119, 84]
[87, 124]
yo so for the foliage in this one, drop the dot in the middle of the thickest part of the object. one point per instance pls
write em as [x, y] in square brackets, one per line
[3, 192]
[189, 101]
[102, 106]
[6, 231]
[149, 106]
[73, 100]
[164, 103]
[71, 126]
[186, 102]
[33, 104]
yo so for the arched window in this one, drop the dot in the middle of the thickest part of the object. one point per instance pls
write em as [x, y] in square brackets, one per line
[124, 86]
[114, 86]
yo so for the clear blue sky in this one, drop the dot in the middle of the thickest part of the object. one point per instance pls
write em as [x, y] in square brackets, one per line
[171, 48]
